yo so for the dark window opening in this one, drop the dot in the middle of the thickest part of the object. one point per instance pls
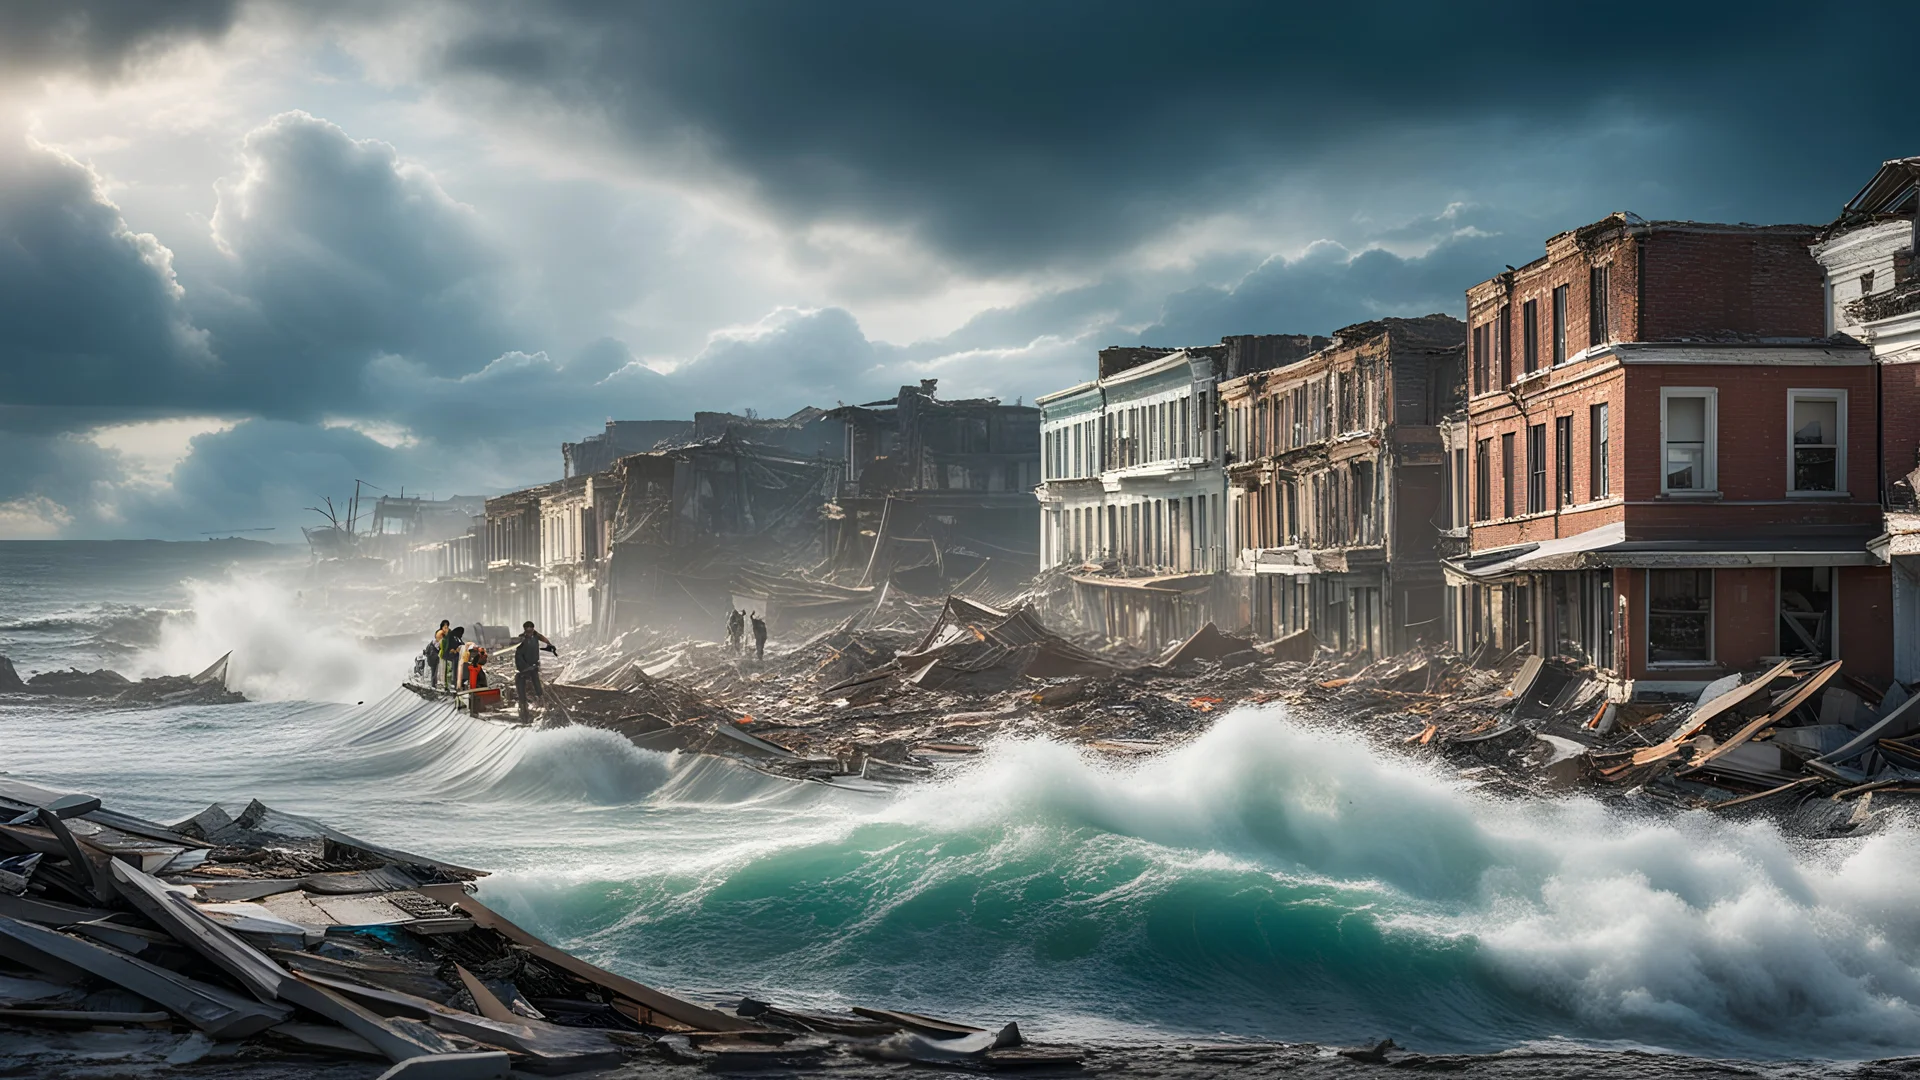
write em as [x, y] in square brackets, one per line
[1679, 616]
[1483, 480]
[1536, 468]
[1563, 459]
[1598, 295]
[1530, 336]
[1506, 474]
[1505, 335]
[1560, 325]
[1806, 611]
[1597, 442]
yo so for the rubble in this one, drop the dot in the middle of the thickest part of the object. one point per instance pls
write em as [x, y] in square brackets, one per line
[277, 933]
[209, 687]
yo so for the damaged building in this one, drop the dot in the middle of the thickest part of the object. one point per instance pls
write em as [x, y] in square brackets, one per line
[936, 492]
[1668, 468]
[1134, 485]
[1337, 484]
[682, 523]
[1873, 296]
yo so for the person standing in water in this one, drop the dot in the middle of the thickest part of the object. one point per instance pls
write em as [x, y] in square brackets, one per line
[526, 666]
[759, 637]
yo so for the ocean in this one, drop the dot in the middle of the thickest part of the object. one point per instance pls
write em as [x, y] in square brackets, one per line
[1275, 878]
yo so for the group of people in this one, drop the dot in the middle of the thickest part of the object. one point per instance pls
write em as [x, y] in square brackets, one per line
[737, 628]
[457, 664]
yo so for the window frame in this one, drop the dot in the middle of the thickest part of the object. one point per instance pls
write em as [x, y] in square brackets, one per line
[1599, 299]
[1482, 509]
[1563, 460]
[1537, 502]
[1503, 343]
[1599, 451]
[1646, 594]
[1839, 399]
[1710, 455]
[1559, 325]
[1506, 475]
[1530, 336]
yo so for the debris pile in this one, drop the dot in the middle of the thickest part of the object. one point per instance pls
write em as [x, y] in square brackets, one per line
[1537, 727]
[207, 688]
[273, 930]
[899, 690]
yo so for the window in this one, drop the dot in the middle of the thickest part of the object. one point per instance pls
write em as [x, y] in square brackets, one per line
[1458, 516]
[1563, 459]
[1505, 335]
[1866, 283]
[1480, 360]
[1560, 325]
[1687, 438]
[1537, 469]
[1506, 474]
[1679, 616]
[1598, 295]
[1530, 336]
[1483, 480]
[1599, 475]
[1817, 432]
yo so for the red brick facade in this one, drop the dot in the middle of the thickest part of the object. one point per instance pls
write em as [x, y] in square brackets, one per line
[1729, 319]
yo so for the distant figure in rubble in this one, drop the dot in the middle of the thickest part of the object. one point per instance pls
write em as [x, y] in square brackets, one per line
[526, 665]
[450, 655]
[759, 637]
[736, 629]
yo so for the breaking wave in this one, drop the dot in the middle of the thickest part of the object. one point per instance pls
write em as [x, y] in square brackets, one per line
[1271, 878]
[284, 647]
[1277, 880]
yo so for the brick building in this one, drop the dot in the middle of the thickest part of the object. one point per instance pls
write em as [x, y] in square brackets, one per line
[1668, 468]
[1337, 484]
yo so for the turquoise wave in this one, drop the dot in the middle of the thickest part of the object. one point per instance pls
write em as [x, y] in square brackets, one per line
[1269, 879]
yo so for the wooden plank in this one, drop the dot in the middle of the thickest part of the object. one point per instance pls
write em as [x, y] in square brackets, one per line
[1795, 785]
[392, 1043]
[192, 928]
[925, 1025]
[550, 1045]
[697, 1017]
[490, 1006]
[1799, 696]
[1730, 700]
[217, 1012]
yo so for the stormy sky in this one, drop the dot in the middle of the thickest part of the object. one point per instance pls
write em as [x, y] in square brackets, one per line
[252, 251]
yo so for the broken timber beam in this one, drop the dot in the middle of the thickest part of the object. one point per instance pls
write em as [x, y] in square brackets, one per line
[694, 1016]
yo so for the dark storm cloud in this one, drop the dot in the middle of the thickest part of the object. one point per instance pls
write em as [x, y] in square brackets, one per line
[340, 253]
[1008, 132]
[100, 36]
[335, 254]
[90, 313]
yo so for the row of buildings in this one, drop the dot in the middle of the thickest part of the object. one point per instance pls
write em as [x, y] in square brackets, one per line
[1663, 449]
[664, 522]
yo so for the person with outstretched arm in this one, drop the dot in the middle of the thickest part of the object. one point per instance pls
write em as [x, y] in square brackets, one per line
[526, 665]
